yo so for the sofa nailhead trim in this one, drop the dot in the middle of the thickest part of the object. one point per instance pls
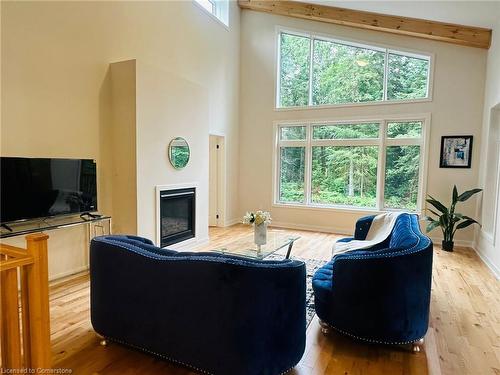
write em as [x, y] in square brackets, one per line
[373, 340]
[172, 359]
[287, 371]
[159, 355]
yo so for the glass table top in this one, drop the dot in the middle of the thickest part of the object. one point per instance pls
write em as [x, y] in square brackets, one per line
[39, 225]
[246, 246]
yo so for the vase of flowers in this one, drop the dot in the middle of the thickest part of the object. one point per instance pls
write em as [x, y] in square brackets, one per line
[260, 220]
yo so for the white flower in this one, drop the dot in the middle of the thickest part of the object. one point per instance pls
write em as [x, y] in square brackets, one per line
[249, 218]
[257, 218]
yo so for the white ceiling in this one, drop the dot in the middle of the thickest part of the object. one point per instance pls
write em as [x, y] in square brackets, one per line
[471, 13]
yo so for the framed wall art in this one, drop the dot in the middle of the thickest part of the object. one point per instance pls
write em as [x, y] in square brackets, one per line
[456, 151]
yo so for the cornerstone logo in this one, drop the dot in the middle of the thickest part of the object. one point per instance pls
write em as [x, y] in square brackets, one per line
[39, 370]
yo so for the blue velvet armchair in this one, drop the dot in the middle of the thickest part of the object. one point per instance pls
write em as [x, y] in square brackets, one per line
[381, 294]
[214, 313]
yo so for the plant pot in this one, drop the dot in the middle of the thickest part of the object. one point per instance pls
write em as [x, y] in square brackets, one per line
[447, 245]
[260, 234]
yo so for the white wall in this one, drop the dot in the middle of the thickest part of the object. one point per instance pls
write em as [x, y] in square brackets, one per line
[55, 94]
[456, 109]
[118, 139]
[164, 111]
[488, 237]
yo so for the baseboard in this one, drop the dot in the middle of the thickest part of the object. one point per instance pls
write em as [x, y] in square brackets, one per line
[461, 243]
[230, 222]
[493, 268]
[488, 237]
[329, 229]
[68, 273]
[315, 228]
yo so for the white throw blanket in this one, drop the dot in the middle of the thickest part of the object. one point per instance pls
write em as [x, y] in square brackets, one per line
[379, 231]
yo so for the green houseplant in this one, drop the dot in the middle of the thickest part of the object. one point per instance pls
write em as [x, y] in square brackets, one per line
[449, 220]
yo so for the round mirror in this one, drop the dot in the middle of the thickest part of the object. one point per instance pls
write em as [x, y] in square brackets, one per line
[178, 152]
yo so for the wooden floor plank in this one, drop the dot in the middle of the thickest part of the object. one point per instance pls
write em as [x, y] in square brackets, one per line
[463, 337]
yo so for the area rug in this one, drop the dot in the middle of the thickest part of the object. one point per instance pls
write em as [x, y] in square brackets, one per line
[312, 266]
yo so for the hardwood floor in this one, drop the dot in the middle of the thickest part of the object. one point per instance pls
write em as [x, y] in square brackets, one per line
[463, 338]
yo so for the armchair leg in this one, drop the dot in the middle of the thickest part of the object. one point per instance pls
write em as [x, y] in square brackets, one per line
[325, 329]
[416, 346]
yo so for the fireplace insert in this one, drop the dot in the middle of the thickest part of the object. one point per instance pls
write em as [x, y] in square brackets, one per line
[177, 215]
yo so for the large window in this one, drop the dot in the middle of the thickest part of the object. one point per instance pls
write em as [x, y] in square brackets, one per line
[316, 71]
[362, 164]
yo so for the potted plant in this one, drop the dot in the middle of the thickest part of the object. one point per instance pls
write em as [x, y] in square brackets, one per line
[449, 220]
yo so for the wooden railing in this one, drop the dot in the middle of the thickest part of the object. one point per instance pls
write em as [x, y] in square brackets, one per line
[25, 337]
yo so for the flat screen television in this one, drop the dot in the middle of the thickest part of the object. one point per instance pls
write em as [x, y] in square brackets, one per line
[40, 187]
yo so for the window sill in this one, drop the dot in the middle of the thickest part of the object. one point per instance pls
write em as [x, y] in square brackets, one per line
[347, 105]
[336, 208]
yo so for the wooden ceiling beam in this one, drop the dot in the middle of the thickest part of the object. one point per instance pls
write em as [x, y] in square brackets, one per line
[440, 31]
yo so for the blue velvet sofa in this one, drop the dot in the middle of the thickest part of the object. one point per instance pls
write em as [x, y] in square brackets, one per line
[381, 294]
[216, 314]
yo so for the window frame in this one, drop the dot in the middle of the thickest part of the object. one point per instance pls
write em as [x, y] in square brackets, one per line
[387, 49]
[220, 11]
[382, 142]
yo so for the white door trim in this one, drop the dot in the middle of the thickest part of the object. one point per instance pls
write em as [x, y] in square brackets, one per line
[221, 180]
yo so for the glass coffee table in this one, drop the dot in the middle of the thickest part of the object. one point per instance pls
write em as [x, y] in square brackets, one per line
[246, 247]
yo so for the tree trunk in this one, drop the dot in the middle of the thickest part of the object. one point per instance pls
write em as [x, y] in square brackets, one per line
[323, 161]
[351, 178]
[362, 182]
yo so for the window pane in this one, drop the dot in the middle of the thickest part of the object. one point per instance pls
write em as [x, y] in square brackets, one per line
[411, 129]
[289, 133]
[346, 131]
[292, 165]
[401, 177]
[407, 77]
[346, 74]
[207, 4]
[294, 70]
[344, 175]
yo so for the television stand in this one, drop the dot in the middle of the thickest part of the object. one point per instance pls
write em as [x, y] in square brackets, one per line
[84, 215]
[70, 240]
[50, 223]
[6, 227]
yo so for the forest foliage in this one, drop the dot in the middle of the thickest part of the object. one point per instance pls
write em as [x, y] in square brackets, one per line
[340, 74]
[347, 175]
[343, 73]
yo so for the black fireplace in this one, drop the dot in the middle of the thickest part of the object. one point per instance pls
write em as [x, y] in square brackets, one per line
[177, 215]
